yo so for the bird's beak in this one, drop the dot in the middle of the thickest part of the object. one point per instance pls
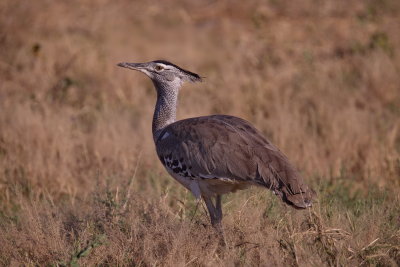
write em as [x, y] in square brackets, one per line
[132, 66]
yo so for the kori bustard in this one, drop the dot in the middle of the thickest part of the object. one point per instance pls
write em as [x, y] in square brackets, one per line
[217, 154]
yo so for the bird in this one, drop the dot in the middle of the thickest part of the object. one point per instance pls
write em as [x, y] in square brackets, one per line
[216, 154]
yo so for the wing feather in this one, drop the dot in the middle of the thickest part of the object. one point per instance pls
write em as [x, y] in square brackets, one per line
[228, 147]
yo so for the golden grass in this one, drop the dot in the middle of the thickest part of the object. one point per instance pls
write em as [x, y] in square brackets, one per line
[80, 183]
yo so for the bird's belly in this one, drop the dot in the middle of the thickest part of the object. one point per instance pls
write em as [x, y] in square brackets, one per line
[209, 186]
[189, 183]
[220, 186]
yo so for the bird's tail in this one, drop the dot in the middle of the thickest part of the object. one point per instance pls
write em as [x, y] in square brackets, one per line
[289, 186]
[300, 199]
[276, 173]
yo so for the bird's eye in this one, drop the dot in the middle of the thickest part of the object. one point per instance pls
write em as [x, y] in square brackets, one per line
[159, 68]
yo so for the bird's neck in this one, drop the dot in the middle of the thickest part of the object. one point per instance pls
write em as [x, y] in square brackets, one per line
[165, 111]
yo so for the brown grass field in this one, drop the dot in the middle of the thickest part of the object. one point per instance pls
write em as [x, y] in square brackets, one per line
[80, 183]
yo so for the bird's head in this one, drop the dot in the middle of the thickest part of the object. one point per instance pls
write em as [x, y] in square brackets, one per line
[163, 72]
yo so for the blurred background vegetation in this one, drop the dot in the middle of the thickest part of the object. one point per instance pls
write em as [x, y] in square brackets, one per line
[80, 183]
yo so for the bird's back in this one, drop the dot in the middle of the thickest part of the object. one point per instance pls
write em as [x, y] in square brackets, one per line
[223, 150]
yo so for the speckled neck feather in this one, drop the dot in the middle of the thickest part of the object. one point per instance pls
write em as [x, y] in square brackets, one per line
[165, 110]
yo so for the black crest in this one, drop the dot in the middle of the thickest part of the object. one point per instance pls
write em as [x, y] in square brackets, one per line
[193, 77]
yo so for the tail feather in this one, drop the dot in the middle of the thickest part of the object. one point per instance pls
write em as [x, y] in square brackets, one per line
[287, 184]
[300, 200]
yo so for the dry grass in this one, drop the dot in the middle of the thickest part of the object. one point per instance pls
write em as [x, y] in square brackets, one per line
[80, 183]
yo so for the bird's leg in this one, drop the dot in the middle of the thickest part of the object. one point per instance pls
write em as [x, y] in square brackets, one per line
[218, 206]
[218, 225]
[216, 217]
[211, 210]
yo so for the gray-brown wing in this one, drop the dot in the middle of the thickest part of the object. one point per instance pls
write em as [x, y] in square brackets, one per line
[221, 146]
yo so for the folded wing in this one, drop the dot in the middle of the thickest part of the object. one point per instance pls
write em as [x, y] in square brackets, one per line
[228, 147]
